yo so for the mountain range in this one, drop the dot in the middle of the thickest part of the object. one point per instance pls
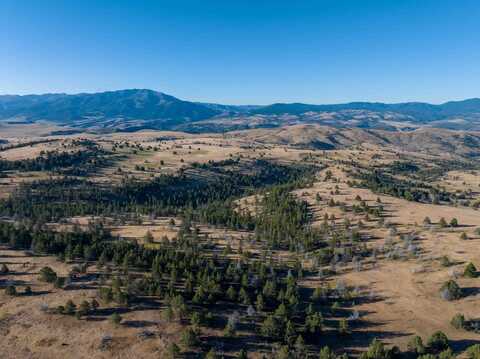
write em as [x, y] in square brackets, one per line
[135, 109]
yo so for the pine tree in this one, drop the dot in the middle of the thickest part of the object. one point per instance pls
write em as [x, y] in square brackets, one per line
[270, 327]
[290, 334]
[4, 269]
[173, 351]
[259, 303]
[231, 294]
[416, 345]
[70, 307]
[11, 290]
[211, 354]
[443, 222]
[300, 349]
[343, 327]
[189, 338]
[84, 308]
[470, 271]
[326, 353]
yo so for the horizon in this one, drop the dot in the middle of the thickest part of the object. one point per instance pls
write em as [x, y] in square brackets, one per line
[243, 104]
[315, 52]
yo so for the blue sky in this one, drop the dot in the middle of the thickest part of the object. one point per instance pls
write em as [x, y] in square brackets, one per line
[245, 52]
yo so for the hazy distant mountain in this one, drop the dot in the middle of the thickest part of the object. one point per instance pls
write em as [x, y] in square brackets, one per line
[125, 104]
[417, 110]
[140, 108]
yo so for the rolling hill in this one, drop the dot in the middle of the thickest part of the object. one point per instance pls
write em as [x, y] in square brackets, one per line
[313, 136]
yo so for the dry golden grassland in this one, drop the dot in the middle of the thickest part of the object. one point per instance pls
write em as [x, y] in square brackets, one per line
[404, 292]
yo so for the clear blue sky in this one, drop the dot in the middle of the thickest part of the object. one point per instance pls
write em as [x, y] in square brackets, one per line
[245, 52]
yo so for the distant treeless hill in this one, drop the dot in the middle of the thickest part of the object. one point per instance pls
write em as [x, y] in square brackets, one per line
[141, 108]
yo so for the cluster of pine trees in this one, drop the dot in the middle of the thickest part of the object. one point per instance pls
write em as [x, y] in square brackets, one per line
[75, 163]
[53, 199]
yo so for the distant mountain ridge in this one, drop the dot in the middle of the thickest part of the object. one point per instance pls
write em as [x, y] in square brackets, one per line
[129, 104]
[134, 109]
[420, 110]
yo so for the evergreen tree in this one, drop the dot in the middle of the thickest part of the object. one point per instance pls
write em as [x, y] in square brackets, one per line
[470, 271]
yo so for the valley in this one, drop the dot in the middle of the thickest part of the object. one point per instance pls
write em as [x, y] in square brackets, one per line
[254, 243]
